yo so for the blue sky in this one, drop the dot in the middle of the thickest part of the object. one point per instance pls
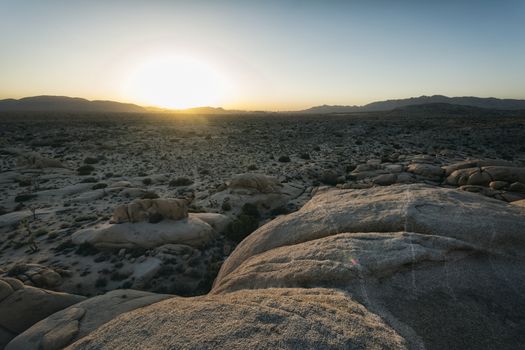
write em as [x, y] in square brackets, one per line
[262, 54]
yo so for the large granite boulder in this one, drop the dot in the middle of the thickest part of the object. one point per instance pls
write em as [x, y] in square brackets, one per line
[261, 319]
[196, 230]
[416, 255]
[485, 175]
[22, 306]
[264, 192]
[475, 163]
[66, 326]
[488, 223]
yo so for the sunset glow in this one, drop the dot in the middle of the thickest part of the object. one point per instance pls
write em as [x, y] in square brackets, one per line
[176, 81]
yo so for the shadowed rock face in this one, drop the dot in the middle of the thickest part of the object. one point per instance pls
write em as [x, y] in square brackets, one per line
[261, 319]
[64, 327]
[22, 306]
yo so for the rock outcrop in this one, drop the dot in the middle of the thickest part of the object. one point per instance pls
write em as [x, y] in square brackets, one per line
[261, 319]
[401, 266]
[151, 210]
[66, 326]
[265, 192]
[416, 255]
[196, 230]
[22, 306]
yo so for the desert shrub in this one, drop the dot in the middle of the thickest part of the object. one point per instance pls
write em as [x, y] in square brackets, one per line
[117, 276]
[244, 224]
[252, 167]
[251, 210]
[85, 170]
[86, 249]
[90, 160]
[101, 282]
[88, 180]
[284, 159]
[226, 206]
[147, 181]
[24, 197]
[241, 227]
[99, 186]
[181, 181]
[304, 156]
[149, 195]
[317, 148]
[282, 210]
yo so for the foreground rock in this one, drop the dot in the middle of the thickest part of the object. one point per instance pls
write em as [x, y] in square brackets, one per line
[262, 319]
[416, 255]
[22, 306]
[486, 223]
[66, 326]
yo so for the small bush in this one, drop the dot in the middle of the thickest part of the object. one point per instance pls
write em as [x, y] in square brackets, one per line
[180, 181]
[85, 170]
[101, 282]
[305, 156]
[284, 159]
[24, 197]
[241, 227]
[90, 160]
[252, 167]
[99, 186]
[86, 249]
[147, 181]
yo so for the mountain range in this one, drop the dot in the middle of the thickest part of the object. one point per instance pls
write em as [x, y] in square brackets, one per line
[481, 102]
[75, 104]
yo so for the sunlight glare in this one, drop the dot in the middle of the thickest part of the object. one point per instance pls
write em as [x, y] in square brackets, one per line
[176, 81]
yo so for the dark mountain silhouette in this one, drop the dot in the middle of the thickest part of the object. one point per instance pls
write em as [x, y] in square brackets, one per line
[66, 104]
[490, 102]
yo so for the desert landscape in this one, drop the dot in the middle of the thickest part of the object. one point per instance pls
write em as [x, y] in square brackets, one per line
[411, 218]
[278, 174]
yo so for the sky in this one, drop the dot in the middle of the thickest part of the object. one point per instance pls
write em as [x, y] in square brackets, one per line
[261, 55]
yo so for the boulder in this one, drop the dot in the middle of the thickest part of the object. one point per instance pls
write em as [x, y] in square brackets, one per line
[385, 180]
[66, 326]
[255, 183]
[22, 306]
[39, 275]
[143, 210]
[265, 192]
[475, 163]
[36, 161]
[262, 319]
[416, 255]
[485, 175]
[430, 171]
[486, 222]
[191, 231]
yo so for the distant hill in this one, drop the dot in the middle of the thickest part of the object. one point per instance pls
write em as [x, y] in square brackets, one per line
[76, 104]
[490, 102]
[66, 104]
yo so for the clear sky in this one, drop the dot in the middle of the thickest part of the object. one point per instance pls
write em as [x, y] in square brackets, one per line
[261, 54]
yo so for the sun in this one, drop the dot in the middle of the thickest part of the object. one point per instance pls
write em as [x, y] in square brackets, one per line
[176, 81]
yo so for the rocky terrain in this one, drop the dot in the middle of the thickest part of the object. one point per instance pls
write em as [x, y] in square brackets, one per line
[397, 229]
